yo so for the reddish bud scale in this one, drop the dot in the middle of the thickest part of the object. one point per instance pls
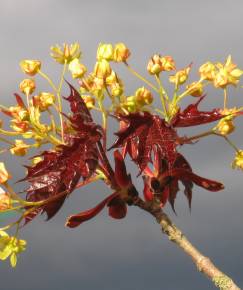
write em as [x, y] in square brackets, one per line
[76, 220]
[121, 177]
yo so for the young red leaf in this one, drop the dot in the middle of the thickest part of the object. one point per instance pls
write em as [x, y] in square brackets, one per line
[146, 131]
[165, 182]
[60, 170]
[191, 116]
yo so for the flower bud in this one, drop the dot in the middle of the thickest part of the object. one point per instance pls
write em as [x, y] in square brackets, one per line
[143, 97]
[4, 175]
[30, 67]
[102, 69]
[225, 126]
[27, 86]
[168, 63]
[77, 69]
[195, 89]
[67, 54]
[20, 148]
[105, 51]
[89, 101]
[121, 52]
[207, 71]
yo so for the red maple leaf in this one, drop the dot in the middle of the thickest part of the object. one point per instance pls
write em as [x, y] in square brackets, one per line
[191, 116]
[145, 132]
[61, 169]
[164, 182]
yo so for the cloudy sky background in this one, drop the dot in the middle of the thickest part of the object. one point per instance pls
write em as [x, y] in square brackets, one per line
[130, 254]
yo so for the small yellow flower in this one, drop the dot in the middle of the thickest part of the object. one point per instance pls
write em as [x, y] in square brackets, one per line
[35, 119]
[207, 71]
[5, 200]
[19, 113]
[130, 104]
[105, 51]
[89, 101]
[195, 89]
[227, 74]
[180, 77]
[143, 97]
[67, 54]
[155, 65]
[44, 101]
[10, 247]
[30, 67]
[86, 83]
[167, 63]
[27, 86]
[117, 89]
[4, 175]
[115, 83]
[238, 161]
[111, 79]
[225, 126]
[102, 69]
[121, 52]
[77, 69]
[92, 84]
[20, 148]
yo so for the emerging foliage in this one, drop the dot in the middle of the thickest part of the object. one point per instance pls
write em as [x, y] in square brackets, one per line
[75, 152]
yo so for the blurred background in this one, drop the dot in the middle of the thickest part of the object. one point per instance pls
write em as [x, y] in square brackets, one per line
[130, 254]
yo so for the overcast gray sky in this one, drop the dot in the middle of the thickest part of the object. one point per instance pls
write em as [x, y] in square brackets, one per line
[130, 254]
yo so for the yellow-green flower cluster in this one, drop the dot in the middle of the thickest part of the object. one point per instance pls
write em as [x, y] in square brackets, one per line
[221, 74]
[157, 64]
[65, 54]
[103, 78]
[10, 247]
[138, 102]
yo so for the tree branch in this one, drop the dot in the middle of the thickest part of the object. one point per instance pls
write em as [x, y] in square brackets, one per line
[203, 263]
